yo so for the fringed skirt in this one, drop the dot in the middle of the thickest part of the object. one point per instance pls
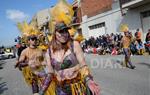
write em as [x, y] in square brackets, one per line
[75, 86]
[29, 76]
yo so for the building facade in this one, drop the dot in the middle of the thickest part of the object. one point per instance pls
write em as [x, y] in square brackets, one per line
[137, 15]
[41, 19]
[108, 18]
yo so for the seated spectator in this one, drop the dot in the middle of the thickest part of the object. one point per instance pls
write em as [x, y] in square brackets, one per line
[139, 47]
[147, 42]
[114, 51]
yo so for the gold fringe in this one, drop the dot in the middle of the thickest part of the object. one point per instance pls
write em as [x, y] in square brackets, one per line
[73, 90]
[27, 73]
[78, 88]
[51, 89]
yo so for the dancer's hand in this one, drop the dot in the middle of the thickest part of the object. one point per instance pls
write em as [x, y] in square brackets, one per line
[94, 87]
[17, 64]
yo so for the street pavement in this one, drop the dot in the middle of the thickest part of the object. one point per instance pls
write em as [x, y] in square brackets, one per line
[11, 80]
[107, 71]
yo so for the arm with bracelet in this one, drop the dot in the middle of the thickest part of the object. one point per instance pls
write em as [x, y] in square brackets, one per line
[48, 78]
[84, 70]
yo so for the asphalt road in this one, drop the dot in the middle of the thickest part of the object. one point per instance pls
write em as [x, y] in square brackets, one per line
[107, 71]
[11, 80]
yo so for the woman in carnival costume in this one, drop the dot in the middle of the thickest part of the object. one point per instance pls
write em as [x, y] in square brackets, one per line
[67, 66]
[65, 59]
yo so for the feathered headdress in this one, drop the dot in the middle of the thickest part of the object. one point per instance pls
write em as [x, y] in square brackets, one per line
[124, 28]
[61, 12]
[27, 30]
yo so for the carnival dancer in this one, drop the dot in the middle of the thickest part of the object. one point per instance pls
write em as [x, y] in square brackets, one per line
[67, 66]
[126, 41]
[31, 62]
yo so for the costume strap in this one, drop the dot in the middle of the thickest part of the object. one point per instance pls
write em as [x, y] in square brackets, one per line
[49, 50]
[72, 46]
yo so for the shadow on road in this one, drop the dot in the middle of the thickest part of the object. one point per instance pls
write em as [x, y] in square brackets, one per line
[119, 62]
[146, 64]
[1, 64]
[3, 86]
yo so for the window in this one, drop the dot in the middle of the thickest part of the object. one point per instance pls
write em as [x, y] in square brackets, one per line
[146, 14]
[99, 25]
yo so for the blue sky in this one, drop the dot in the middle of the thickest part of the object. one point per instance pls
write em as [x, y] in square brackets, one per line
[12, 11]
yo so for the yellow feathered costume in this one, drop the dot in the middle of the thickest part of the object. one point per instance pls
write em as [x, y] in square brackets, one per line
[28, 30]
[64, 12]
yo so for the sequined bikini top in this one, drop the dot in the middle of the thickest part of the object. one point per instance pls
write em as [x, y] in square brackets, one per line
[68, 62]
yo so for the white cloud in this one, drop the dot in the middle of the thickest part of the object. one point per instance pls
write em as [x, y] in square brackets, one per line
[16, 15]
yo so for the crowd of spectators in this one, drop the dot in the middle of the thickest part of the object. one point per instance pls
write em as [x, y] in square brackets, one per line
[111, 44]
[104, 44]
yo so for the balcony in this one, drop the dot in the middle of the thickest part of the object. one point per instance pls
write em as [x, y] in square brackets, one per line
[133, 3]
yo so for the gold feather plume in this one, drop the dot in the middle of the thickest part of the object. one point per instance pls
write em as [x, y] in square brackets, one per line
[27, 30]
[124, 28]
[62, 11]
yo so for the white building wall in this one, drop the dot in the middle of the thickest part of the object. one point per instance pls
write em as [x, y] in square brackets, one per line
[113, 19]
[42, 16]
[134, 20]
